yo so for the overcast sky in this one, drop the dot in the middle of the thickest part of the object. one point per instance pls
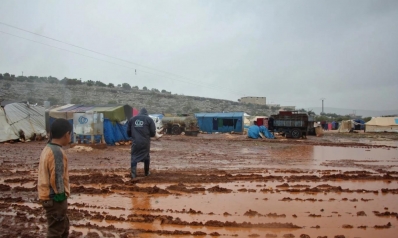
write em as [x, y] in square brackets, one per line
[292, 52]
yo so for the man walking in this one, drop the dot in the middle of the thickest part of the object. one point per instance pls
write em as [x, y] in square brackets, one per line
[140, 128]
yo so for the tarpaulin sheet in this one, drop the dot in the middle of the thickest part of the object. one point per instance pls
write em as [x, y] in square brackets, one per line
[6, 133]
[28, 118]
[113, 113]
[114, 132]
[254, 132]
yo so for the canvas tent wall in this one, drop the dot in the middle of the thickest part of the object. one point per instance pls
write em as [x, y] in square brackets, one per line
[114, 119]
[6, 133]
[382, 124]
[220, 122]
[28, 118]
[346, 126]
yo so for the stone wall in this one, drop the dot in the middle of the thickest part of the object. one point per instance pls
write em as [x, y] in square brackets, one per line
[155, 102]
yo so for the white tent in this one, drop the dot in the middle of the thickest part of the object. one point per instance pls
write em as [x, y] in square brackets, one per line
[6, 133]
[382, 124]
[28, 118]
[346, 126]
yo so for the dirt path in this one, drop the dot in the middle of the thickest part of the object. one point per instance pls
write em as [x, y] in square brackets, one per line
[215, 185]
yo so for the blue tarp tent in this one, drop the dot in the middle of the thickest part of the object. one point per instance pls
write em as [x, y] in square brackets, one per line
[254, 132]
[220, 122]
[114, 128]
[359, 124]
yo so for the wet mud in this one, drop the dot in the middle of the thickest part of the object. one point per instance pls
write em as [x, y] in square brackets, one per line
[213, 185]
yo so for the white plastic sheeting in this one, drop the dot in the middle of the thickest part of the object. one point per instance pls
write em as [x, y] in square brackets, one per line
[6, 133]
[28, 118]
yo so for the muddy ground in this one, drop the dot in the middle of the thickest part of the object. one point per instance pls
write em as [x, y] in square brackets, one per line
[339, 185]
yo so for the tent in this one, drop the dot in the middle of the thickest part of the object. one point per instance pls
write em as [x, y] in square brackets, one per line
[220, 122]
[6, 133]
[359, 124]
[346, 126]
[115, 117]
[28, 118]
[382, 124]
[254, 132]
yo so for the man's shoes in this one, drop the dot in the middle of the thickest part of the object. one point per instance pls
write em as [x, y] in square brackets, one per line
[147, 174]
[133, 172]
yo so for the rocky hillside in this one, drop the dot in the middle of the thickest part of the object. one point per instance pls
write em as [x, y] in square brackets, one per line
[155, 102]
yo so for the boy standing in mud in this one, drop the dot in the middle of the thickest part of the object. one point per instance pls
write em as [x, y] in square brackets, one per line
[53, 179]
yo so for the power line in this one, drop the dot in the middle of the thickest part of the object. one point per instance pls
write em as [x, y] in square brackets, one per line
[147, 72]
[106, 55]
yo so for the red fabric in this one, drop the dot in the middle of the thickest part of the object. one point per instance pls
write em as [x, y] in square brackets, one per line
[135, 112]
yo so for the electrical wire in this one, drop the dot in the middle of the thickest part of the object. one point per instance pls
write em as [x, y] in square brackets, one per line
[147, 72]
[106, 55]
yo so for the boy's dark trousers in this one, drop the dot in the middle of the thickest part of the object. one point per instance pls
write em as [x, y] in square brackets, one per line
[57, 220]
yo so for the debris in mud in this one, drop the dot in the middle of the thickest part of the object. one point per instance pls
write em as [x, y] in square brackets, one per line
[82, 189]
[285, 185]
[385, 214]
[386, 190]
[313, 215]
[388, 225]
[252, 213]
[366, 200]
[271, 235]
[182, 188]
[347, 226]
[227, 214]
[316, 227]
[362, 227]
[199, 233]
[304, 236]
[361, 213]
[254, 235]
[288, 236]
[218, 189]
[275, 215]
[215, 234]
[5, 187]
[339, 236]
[75, 234]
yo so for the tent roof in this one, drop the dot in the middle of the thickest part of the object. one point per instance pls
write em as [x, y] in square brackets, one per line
[111, 112]
[383, 121]
[220, 114]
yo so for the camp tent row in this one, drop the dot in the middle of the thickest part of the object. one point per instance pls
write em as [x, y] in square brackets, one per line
[114, 123]
[30, 119]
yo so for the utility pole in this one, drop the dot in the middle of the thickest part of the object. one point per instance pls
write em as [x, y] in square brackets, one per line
[22, 73]
[322, 104]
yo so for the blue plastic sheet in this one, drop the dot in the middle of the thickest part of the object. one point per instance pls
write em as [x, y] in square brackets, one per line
[254, 132]
[114, 132]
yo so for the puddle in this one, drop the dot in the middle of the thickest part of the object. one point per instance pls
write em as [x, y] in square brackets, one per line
[334, 209]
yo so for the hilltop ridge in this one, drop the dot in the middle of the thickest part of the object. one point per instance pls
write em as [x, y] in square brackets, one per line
[155, 102]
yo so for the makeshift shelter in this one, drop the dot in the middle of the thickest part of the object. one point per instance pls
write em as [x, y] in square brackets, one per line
[27, 118]
[115, 117]
[359, 124]
[382, 124]
[346, 126]
[6, 133]
[220, 122]
[254, 132]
